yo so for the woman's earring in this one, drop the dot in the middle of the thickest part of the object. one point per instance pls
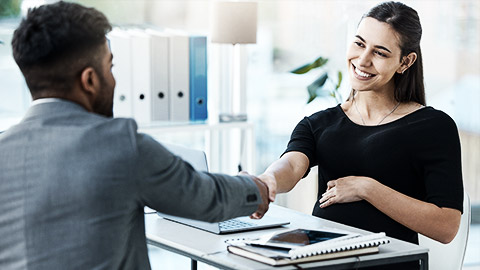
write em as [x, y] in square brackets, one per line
[403, 71]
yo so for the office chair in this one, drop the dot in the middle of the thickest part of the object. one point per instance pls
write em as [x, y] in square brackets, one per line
[450, 256]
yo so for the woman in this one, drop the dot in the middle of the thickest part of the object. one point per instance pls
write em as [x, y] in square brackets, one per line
[386, 162]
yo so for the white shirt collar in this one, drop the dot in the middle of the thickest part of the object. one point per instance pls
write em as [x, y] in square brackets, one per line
[45, 100]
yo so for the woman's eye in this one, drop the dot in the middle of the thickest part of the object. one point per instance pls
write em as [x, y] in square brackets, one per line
[381, 54]
[359, 44]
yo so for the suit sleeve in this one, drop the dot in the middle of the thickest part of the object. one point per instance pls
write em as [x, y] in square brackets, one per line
[170, 185]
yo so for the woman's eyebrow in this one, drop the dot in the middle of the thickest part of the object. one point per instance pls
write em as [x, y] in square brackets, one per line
[376, 46]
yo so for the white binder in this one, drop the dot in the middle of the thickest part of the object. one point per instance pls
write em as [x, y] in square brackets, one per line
[179, 77]
[160, 75]
[141, 75]
[120, 47]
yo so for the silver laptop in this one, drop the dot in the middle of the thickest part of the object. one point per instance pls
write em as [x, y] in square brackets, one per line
[198, 160]
[234, 225]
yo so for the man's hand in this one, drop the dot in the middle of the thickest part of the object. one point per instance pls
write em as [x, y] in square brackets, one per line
[263, 189]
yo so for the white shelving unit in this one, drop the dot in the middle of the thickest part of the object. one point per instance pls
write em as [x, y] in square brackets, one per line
[226, 144]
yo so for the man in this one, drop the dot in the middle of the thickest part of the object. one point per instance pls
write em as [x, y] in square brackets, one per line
[73, 180]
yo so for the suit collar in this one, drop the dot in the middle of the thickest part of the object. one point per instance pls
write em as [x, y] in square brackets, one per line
[53, 107]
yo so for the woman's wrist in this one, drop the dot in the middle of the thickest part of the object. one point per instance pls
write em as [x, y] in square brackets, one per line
[269, 179]
[368, 187]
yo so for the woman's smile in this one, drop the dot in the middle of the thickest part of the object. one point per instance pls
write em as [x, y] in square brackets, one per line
[361, 75]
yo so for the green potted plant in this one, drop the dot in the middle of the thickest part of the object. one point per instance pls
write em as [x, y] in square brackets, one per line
[318, 88]
[9, 8]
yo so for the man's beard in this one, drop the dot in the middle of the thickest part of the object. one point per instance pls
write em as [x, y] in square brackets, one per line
[104, 103]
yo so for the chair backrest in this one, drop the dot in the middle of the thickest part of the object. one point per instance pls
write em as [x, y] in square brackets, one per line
[450, 256]
[196, 158]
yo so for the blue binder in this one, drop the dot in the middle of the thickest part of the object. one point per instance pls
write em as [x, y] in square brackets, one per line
[198, 78]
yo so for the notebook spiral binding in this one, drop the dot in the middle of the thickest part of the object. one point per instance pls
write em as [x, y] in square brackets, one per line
[364, 241]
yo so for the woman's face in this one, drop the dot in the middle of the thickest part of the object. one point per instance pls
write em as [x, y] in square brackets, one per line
[374, 56]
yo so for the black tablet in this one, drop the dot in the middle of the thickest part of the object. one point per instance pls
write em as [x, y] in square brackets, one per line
[300, 237]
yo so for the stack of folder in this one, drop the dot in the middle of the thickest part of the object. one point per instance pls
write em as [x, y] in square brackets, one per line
[304, 245]
[161, 75]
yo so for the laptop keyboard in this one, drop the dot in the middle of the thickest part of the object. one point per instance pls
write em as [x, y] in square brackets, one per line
[234, 224]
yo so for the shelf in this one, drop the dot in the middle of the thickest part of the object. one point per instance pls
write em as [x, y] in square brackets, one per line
[226, 144]
[192, 126]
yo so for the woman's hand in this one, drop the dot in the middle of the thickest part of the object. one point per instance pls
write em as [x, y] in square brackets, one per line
[345, 189]
[438, 223]
[272, 185]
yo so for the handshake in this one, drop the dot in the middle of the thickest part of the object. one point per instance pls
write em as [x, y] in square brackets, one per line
[267, 188]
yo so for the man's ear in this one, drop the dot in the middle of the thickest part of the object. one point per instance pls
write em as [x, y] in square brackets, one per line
[89, 81]
[407, 62]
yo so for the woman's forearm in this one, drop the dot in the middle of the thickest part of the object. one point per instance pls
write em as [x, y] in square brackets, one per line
[426, 218]
[283, 174]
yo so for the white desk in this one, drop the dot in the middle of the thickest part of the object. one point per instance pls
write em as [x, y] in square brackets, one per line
[211, 248]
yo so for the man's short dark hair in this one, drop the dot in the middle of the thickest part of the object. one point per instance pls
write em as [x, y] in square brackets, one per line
[55, 42]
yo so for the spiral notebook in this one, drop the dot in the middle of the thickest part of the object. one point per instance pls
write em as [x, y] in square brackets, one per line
[304, 245]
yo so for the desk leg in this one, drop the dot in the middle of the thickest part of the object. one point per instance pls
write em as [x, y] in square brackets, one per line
[193, 265]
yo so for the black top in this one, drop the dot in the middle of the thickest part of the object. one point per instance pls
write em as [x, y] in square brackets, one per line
[417, 155]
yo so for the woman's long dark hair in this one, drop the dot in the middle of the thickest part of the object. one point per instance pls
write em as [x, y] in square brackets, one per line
[405, 22]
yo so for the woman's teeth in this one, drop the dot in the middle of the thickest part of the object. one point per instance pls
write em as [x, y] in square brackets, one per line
[363, 74]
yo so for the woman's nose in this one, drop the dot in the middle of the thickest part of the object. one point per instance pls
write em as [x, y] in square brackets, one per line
[364, 60]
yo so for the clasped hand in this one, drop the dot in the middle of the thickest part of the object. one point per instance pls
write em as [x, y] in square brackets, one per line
[263, 189]
[344, 190]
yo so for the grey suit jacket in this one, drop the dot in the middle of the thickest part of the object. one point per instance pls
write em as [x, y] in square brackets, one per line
[73, 186]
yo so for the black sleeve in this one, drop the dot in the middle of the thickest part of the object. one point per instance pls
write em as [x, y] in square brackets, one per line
[438, 152]
[303, 140]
